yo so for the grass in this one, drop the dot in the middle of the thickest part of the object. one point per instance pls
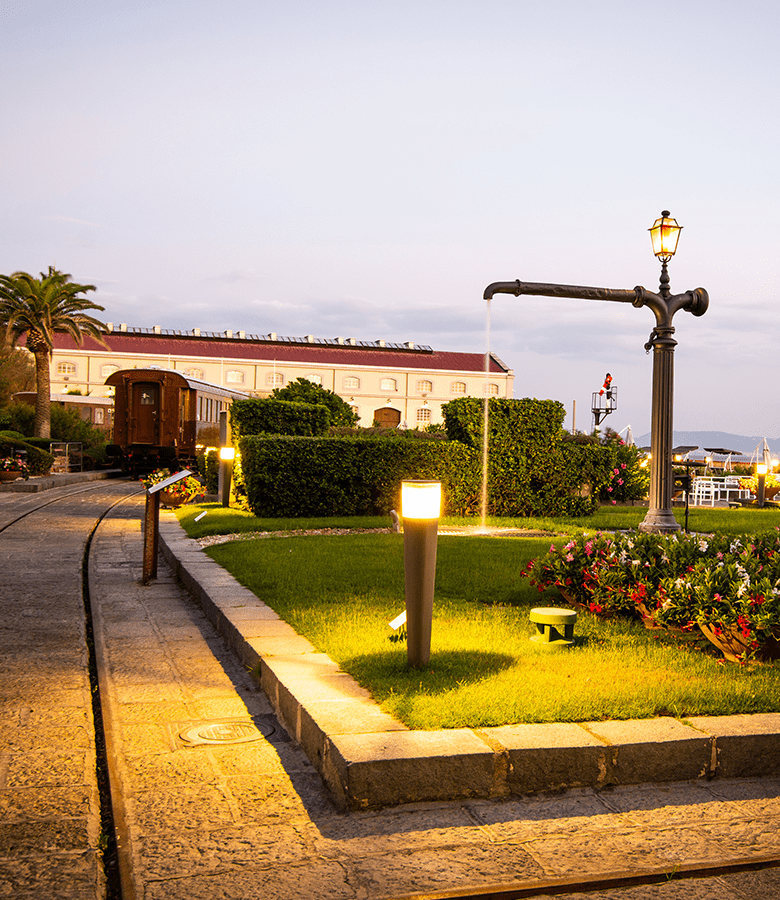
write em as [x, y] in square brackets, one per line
[341, 591]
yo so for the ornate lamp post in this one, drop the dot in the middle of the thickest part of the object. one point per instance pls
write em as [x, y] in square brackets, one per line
[665, 233]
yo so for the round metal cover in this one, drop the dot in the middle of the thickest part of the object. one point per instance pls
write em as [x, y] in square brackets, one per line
[224, 733]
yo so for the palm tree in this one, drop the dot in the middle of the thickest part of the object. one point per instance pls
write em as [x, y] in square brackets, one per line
[39, 308]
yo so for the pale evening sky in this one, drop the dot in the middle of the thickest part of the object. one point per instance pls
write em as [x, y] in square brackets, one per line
[365, 169]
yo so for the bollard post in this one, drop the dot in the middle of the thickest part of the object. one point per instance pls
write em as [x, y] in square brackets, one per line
[151, 536]
[420, 508]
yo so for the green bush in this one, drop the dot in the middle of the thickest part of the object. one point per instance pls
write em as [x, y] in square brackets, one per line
[294, 477]
[269, 416]
[208, 469]
[18, 416]
[38, 461]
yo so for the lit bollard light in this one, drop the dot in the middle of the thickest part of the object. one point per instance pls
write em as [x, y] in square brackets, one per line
[226, 457]
[420, 508]
[761, 470]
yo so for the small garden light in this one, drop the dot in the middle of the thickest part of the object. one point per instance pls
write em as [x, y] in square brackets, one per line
[420, 509]
[761, 470]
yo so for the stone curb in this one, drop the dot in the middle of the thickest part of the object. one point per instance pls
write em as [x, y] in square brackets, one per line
[47, 482]
[369, 759]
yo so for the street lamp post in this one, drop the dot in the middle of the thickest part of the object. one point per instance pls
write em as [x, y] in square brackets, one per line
[664, 234]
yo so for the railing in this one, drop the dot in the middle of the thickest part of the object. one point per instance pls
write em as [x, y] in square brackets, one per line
[62, 451]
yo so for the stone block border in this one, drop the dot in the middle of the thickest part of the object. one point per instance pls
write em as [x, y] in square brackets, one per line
[368, 759]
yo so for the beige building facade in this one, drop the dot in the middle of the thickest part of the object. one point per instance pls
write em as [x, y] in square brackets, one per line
[390, 384]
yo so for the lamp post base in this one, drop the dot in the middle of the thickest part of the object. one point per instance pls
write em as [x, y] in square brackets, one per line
[660, 521]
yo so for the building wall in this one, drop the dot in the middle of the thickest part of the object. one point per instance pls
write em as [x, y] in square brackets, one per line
[417, 394]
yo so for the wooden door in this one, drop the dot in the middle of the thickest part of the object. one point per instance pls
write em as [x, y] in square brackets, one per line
[387, 417]
[146, 413]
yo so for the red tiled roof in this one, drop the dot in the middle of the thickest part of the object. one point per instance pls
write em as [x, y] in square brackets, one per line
[125, 343]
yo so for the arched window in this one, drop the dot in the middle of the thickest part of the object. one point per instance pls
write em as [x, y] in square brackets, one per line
[66, 368]
[314, 379]
[351, 383]
[425, 386]
[108, 369]
[388, 384]
[234, 376]
[423, 416]
[274, 379]
[458, 387]
[491, 389]
[194, 373]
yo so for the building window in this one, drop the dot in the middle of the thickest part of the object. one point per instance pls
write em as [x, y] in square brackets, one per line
[351, 383]
[426, 386]
[388, 384]
[194, 373]
[98, 416]
[274, 379]
[458, 387]
[423, 416]
[233, 376]
[107, 370]
[314, 379]
[66, 368]
[491, 389]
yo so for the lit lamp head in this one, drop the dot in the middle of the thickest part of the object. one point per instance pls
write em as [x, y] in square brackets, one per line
[761, 468]
[421, 499]
[227, 454]
[664, 234]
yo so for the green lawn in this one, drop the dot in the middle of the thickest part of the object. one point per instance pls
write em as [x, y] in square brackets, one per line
[341, 592]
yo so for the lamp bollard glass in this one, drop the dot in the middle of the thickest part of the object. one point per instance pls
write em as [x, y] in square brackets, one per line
[420, 508]
[226, 457]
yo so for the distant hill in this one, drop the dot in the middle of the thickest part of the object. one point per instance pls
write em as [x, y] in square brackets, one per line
[737, 442]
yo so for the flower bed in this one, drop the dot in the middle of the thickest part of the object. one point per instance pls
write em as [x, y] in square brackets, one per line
[176, 494]
[727, 587]
[13, 467]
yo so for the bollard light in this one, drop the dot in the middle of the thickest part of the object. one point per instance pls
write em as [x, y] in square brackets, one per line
[420, 509]
[761, 470]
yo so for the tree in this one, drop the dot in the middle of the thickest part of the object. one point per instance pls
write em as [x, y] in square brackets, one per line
[304, 391]
[17, 373]
[39, 308]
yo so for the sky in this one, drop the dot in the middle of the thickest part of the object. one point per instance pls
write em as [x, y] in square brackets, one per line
[362, 169]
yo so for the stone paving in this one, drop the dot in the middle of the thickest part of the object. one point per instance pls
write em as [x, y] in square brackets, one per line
[253, 820]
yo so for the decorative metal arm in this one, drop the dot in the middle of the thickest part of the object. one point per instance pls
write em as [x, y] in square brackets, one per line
[664, 307]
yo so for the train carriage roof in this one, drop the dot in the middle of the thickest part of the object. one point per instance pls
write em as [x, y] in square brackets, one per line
[155, 373]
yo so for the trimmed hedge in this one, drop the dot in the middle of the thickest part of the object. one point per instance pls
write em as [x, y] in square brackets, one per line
[288, 477]
[270, 416]
[39, 462]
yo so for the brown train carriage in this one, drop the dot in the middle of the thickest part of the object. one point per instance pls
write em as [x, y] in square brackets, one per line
[161, 415]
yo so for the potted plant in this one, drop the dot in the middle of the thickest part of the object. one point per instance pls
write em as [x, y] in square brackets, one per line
[176, 494]
[12, 468]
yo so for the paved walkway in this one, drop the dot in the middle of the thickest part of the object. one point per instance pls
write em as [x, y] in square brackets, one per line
[253, 820]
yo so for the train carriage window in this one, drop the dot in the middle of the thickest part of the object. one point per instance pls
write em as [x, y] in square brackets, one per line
[98, 416]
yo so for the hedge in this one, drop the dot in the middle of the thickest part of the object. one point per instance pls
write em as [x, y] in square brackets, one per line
[287, 476]
[270, 416]
[38, 461]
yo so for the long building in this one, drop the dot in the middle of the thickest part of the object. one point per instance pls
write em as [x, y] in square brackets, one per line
[385, 383]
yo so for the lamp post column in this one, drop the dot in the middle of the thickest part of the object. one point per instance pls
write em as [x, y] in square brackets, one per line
[660, 517]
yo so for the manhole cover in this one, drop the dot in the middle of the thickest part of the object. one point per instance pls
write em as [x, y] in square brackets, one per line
[224, 733]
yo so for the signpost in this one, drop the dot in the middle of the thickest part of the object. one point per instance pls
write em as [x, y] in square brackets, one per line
[152, 523]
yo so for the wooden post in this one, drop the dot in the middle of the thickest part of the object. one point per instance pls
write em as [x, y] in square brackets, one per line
[151, 536]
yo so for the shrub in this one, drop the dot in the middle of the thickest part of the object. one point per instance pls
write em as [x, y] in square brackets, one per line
[270, 416]
[39, 462]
